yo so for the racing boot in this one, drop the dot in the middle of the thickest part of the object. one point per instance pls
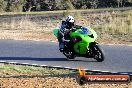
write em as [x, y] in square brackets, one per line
[61, 46]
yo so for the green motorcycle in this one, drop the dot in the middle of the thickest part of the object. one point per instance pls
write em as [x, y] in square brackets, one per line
[82, 43]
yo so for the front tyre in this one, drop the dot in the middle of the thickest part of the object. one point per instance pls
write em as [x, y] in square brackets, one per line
[98, 53]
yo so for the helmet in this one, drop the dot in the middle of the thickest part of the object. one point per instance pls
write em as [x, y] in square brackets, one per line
[69, 19]
[69, 22]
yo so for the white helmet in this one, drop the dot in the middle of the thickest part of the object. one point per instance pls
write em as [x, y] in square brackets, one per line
[69, 19]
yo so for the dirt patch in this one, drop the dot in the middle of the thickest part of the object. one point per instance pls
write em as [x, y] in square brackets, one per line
[48, 36]
[28, 36]
[53, 82]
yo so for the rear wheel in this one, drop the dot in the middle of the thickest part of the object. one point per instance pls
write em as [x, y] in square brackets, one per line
[69, 54]
[68, 50]
[98, 53]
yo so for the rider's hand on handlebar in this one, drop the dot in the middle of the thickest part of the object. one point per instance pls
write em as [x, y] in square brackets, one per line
[73, 29]
[64, 40]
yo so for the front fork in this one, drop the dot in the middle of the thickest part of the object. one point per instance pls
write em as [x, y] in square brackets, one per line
[90, 49]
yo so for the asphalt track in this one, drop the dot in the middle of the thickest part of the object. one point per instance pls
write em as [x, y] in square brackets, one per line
[118, 58]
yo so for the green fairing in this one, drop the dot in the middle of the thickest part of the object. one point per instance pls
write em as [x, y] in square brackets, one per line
[81, 47]
[55, 31]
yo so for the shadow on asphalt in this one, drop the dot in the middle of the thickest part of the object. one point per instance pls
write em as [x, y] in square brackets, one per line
[41, 59]
[82, 60]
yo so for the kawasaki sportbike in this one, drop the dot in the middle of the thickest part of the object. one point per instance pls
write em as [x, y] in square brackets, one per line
[82, 43]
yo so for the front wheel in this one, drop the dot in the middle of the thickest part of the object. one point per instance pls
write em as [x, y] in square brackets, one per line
[98, 53]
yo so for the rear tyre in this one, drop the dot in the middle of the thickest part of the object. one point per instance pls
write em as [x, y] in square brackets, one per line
[98, 53]
[69, 54]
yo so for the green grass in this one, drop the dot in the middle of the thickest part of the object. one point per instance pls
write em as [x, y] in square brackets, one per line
[18, 70]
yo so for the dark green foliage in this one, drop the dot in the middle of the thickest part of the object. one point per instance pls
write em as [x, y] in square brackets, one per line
[46, 5]
[13, 5]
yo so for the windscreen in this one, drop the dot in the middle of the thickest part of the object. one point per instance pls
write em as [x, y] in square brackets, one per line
[84, 30]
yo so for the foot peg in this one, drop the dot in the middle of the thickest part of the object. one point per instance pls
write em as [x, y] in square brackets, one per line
[61, 49]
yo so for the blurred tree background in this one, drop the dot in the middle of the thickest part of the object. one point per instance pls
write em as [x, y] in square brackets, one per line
[49, 5]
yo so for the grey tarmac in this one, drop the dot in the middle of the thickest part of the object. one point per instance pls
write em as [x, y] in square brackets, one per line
[118, 58]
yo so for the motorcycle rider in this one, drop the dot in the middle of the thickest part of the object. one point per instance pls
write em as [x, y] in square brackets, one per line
[64, 30]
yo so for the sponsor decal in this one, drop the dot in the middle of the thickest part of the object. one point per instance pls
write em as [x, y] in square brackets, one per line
[104, 78]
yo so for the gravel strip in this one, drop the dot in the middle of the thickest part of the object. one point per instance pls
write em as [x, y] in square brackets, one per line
[54, 82]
